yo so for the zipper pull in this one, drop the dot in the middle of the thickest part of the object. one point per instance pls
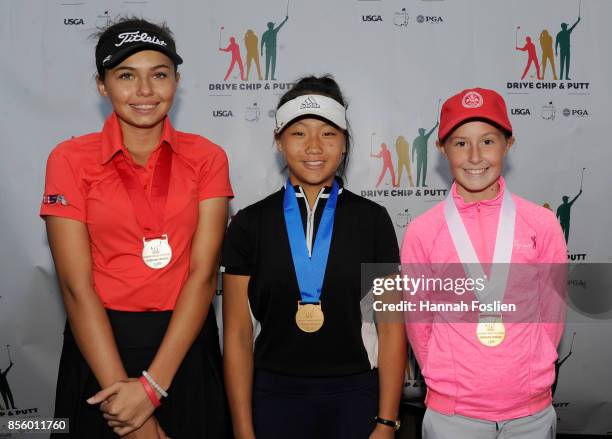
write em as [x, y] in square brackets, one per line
[310, 232]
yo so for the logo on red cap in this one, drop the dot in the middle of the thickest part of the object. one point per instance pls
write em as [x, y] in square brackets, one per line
[472, 99]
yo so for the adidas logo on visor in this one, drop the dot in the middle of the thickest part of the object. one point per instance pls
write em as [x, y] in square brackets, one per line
[310, 102]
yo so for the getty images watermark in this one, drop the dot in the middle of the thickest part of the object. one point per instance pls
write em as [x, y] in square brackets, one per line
[461, 293]
[459, 286]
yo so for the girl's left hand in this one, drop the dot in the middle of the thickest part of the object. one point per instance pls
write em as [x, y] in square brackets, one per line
[125, 404]
[382, 432]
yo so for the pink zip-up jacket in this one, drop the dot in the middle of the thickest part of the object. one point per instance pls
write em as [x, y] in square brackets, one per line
[464, 377]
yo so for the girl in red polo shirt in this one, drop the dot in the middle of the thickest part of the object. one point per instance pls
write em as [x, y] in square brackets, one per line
[135, 216]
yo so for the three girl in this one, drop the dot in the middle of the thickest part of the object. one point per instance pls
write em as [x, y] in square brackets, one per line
[136, 216]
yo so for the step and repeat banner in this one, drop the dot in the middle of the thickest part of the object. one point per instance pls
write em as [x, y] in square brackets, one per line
[395, 60]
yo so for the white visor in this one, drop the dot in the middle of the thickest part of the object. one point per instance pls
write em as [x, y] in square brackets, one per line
[318, 105]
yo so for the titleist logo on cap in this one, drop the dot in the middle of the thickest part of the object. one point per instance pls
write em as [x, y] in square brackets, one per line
[310, 102]
[137, 36]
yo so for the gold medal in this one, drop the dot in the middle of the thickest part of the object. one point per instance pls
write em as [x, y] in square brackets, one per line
[491, 330]
[309, 316]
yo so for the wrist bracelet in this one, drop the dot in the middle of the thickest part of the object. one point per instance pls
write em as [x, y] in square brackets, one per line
[150, 392]
[156, 386]
[395, 425]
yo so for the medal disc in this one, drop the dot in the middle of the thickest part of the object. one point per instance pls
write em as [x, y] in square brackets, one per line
[491, 333]
[156, 253]
[309, 316]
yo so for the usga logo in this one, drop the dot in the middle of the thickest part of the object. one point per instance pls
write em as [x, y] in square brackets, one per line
[429, 19]
[575, 112]
[371, 18]
[222, 113]
[520, 111]
[73, 21]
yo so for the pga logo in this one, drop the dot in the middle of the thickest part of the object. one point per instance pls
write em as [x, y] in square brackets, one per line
[429, 19]
[73, 21]
[575, 112]
[371, 18]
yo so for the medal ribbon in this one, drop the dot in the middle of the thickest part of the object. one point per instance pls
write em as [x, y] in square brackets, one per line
[309, 271]
[496, 283]
[149, 213]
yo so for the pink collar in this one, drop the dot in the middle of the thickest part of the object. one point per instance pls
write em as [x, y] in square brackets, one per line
[496, 201]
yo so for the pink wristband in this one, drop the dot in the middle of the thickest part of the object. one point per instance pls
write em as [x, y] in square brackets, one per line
[150, 392]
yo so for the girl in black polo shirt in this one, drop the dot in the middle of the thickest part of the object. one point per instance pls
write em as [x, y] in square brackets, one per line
[292, 283]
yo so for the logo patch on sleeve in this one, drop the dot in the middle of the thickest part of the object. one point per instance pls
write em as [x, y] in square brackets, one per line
[55, 199]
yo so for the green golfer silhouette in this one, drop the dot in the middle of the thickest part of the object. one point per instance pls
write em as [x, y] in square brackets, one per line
[563, 40]
[419, 146]
[564, 213]
[268, 40]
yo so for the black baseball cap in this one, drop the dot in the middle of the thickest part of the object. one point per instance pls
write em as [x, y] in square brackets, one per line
[117, 46]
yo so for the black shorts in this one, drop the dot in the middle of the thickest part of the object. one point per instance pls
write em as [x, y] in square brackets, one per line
[196, 406]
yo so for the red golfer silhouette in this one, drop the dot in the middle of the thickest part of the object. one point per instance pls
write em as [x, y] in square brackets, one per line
[236, 58]
[385, 155]
[530, 48]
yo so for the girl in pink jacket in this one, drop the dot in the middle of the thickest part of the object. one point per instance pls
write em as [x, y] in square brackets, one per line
[489, 377]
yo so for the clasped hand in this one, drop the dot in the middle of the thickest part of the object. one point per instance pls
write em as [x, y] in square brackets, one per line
[125, 406]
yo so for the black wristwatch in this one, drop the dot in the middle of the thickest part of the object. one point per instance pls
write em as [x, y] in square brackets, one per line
[393, 424]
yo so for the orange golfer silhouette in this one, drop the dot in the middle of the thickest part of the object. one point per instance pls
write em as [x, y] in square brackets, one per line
[252, 47]
[402, 147]
[530, 48]
[385, 155]
[546, 43]
[234, 49]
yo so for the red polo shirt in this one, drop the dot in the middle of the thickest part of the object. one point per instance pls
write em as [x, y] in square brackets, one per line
[82, 184]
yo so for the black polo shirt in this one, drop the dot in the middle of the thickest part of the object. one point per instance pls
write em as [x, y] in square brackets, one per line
[257, 245]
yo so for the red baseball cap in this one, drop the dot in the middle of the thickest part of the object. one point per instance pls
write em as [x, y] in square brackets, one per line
[473, 103]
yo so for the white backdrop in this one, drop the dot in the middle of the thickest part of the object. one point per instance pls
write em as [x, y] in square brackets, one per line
[394, 60]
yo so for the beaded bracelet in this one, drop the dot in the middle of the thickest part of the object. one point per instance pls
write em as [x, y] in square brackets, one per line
[156, 386]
